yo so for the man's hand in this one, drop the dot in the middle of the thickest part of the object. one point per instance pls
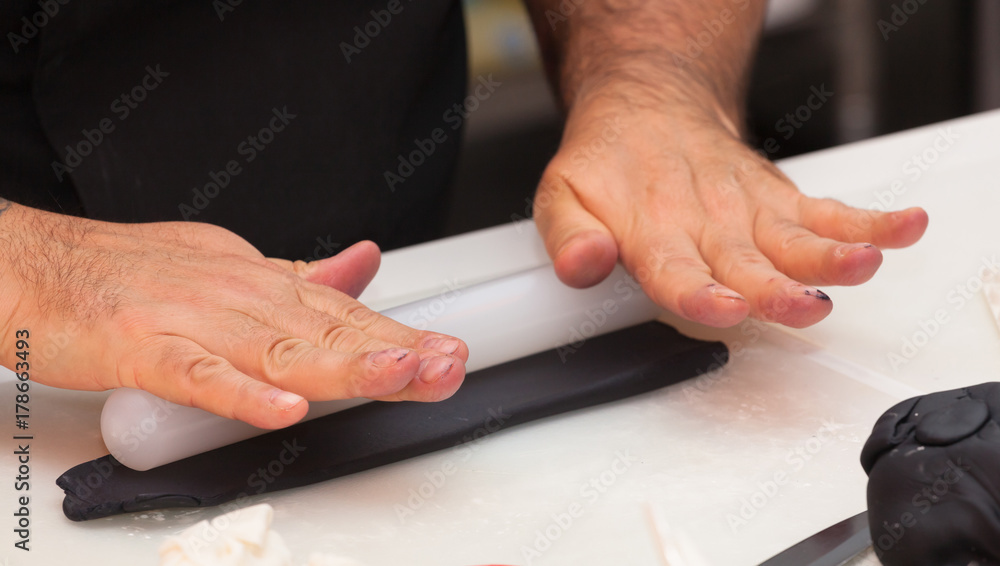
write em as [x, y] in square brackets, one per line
[711, 230]
[652, 171]
[196, 315]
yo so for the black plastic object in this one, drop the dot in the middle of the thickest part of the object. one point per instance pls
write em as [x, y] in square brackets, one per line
[607, 368]
[933, 465]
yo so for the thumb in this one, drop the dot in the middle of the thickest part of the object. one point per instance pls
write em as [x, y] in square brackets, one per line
[581, 246]
[349, 272]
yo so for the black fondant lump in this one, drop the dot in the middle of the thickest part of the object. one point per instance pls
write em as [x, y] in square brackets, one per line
[933, 465]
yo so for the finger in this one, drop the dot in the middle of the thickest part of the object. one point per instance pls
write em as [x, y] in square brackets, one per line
[382, 327]
[319, 374]
[805, 257]
[293, 363]
[181, 371]
[674, 276]
[771, 295]
[836, 220]
[440, 378]
[326, 331]
[373, 369]
[581, 246]
[350, 271]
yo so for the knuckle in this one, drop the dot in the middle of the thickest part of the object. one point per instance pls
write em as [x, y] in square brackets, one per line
[299, 266]
[676, 261]
[198, 370]
[557, 172]
[739, 263]
[734, 257]
[647, 266]
[793, 237]
[339, 337]
[282, 354]
[359, 316]
[556, 179]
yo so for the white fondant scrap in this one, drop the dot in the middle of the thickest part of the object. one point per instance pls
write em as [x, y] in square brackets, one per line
[240, 538]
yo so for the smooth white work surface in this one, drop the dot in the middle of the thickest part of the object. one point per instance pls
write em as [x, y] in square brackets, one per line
[702, 455]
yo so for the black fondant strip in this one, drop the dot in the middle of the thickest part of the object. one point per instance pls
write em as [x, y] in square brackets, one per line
[607, 368]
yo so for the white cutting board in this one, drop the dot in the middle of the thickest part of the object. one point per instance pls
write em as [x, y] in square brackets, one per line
[698, 452]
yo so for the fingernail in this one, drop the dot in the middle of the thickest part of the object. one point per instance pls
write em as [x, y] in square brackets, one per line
[433, 369]
[845, 249]
[442, 344]
[285, 400]
[726, 292]
[820, 295]
[388, 358]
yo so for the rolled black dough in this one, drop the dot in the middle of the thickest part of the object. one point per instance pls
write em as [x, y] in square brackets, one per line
[607, 368]
[933, 465]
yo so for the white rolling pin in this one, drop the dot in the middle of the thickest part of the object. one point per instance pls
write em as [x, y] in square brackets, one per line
[500, 320]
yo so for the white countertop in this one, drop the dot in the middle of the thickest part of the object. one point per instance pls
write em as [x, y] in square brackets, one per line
[745, 463]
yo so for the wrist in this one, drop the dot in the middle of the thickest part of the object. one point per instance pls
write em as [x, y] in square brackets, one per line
[643, 56]
[681, 107]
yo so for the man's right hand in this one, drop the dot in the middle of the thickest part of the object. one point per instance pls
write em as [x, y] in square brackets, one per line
[196, 315]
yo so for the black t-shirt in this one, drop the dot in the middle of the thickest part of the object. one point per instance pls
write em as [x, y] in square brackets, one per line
[301, 125]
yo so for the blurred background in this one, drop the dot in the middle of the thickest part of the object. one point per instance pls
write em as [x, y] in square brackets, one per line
[891, 64]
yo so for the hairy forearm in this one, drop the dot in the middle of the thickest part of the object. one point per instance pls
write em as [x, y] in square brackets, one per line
[41, 271]
[10, 286]
[653, 52]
